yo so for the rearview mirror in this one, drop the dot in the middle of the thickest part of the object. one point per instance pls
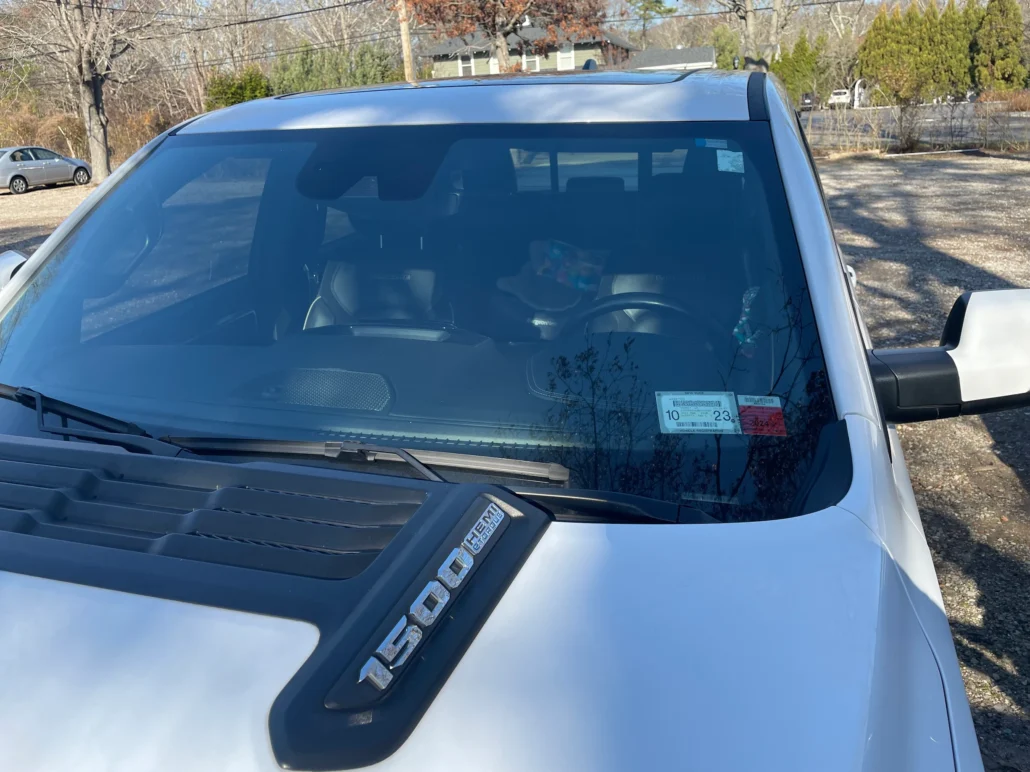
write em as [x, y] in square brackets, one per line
[10, 262]
[982, 364]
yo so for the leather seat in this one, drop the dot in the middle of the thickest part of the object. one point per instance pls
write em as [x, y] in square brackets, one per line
[350, 293]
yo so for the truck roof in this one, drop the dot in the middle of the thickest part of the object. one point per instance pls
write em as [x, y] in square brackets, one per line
[578, 97]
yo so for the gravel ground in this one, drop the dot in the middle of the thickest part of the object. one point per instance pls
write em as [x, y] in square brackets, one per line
[27, 219]
[919, 232]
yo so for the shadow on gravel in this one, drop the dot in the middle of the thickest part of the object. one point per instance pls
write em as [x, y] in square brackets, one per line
[25, 239]
[1000, 647]
[927, 266]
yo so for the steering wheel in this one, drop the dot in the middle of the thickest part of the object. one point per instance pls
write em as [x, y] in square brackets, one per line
[645, 301]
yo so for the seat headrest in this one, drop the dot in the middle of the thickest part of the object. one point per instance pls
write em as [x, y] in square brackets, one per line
[595, 185]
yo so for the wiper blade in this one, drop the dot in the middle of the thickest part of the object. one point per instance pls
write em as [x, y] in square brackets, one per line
[334, 450]
[107, 430]
[610, 507]
[421, 460]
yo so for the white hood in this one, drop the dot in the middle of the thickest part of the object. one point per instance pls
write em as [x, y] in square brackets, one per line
[785, 645]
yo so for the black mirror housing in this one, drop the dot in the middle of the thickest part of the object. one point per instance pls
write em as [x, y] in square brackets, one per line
[981, 366]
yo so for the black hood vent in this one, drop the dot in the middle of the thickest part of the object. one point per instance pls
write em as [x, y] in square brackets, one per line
[228, 514]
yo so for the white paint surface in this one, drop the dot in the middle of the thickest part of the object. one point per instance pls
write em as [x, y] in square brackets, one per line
[993, 355]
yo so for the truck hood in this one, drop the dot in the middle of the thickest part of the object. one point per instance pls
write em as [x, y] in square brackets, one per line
[786, 645]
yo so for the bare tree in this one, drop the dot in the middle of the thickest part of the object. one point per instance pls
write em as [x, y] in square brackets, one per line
[85, 39]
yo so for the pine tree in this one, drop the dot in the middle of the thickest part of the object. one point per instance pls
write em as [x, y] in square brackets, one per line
[314, 70]
[888, 57]
[973, 16]
[800, 68]
[224, 90]
[372, 64]
[997, 57]
[647, 11]
[872, 51]
[916, 56]
[954, 60]
[727, 46]
[931, 52]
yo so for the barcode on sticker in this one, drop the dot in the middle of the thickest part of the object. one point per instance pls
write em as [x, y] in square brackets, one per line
[699, 412]
[744, 399]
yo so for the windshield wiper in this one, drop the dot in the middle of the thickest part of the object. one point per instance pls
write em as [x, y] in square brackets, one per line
[588, 505]
[419, 460]
[107, 430]
[232, 446]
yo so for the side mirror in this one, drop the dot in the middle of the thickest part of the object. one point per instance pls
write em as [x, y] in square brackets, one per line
[982, 364]
[10, 262]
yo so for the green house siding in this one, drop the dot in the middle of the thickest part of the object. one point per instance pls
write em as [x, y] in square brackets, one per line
[588, 52]
[447, 66]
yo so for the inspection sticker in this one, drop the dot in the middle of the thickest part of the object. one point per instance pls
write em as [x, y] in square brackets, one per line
[730, 161]
[761, 415]
[697, 412]
[712, 143]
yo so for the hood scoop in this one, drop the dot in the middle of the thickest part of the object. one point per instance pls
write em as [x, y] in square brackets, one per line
[397, 574]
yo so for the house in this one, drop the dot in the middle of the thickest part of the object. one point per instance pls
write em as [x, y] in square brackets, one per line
[689, 59]
[467, 57]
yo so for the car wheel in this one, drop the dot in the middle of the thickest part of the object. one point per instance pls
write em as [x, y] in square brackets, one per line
[18, 185]
[81, 176]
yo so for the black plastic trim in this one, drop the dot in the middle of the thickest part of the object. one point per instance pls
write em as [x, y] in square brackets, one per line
[917, 384]
[325, 720]
[829, 477]
[956, 318]
[757, 107]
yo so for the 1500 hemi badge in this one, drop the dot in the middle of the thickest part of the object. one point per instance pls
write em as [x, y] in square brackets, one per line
[395, 650]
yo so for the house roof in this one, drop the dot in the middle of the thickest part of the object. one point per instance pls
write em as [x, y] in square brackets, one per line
[668, 57]
[527, 36]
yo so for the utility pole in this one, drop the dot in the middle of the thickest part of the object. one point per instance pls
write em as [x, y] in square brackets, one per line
[409, 65]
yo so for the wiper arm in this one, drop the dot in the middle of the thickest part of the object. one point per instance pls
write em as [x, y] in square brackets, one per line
[242, 446]
[419, 460]
[107, 430]
[610, 507]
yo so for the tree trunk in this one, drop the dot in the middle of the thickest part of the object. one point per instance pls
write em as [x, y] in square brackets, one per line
[774, 26]
[409, 66]
[748, 17]
[94, 117]
[500, 45]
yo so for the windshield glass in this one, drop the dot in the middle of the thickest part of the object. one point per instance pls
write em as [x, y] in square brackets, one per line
[627, 301]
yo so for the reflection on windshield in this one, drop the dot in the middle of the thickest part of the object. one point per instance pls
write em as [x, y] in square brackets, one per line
[626, 301]
[610, 436]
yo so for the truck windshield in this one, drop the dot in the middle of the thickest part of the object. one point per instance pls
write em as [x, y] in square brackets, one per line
[627, 301]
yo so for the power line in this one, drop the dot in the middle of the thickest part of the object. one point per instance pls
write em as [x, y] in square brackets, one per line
[139, 11]
[659, 19]
[264, 55]
[259, 19]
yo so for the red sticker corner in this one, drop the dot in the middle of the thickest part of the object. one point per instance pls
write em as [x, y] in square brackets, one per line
[761, 415]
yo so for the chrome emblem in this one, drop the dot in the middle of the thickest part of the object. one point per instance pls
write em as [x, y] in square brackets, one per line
[405, 636]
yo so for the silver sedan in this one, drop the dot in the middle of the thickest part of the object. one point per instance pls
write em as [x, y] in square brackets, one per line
[25, 167]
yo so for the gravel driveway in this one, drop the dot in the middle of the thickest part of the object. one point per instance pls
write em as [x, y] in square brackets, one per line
[919, 231]
[27, 219]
